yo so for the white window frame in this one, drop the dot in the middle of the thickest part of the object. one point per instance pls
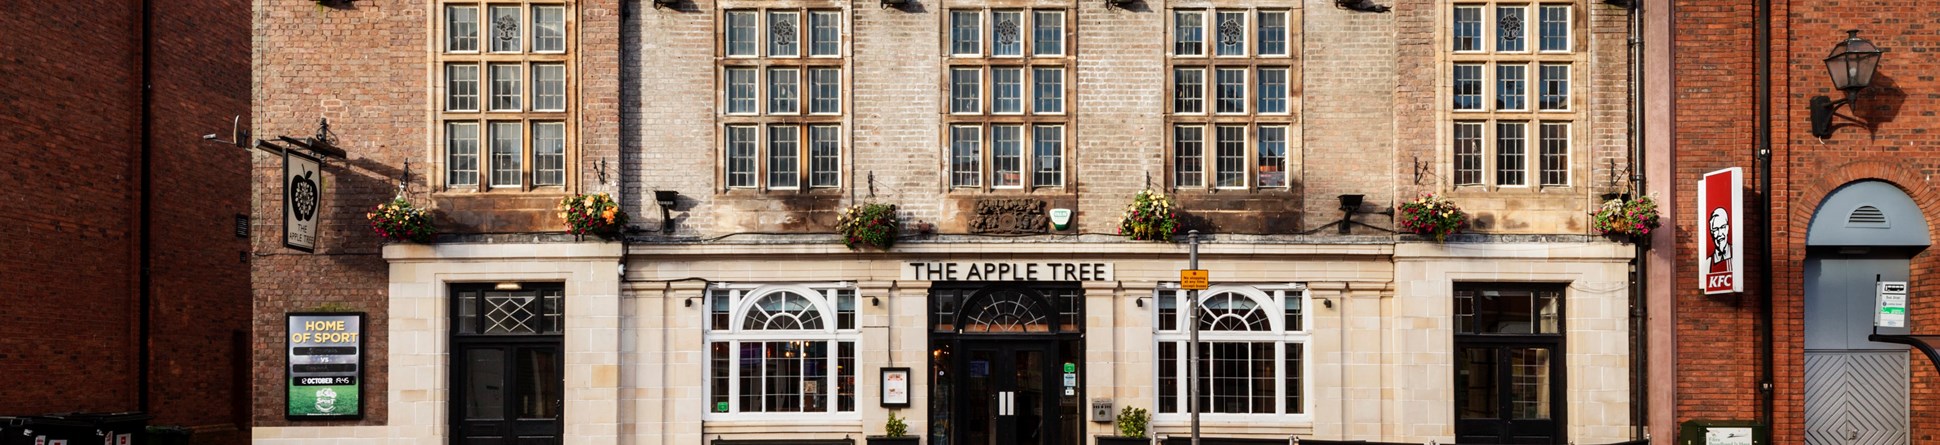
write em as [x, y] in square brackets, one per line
[1275, 296]
[742, 297]
[1569, 27]
[1286, 32]
[1495, 18]
[1245, 34]
[1172, 30]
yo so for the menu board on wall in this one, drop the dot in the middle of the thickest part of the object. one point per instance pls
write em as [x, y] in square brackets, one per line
[326, 366]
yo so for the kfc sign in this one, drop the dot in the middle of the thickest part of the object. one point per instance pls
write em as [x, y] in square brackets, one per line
[1721, 204]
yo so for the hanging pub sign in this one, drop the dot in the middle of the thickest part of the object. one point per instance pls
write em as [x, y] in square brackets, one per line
[326, 366]
[302, 199]
[1721, 206]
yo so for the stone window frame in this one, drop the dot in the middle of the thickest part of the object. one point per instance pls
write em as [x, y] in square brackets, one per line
[764, 119]
[1277, 302]
[1479, 165]
[838, 307]
[1209, 62]
[482, 116]
[984, 119]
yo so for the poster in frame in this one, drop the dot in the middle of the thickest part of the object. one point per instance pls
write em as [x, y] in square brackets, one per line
[895, 387]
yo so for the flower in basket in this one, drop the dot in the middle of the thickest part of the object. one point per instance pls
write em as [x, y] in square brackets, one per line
[868, 224]
[397, 220]
[592, 214]
[1635, 217]
[1149, 218]
[1431, 215]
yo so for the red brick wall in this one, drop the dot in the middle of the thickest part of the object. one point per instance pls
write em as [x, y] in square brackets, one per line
[1717, 344]
[365, 67]
[72, 126]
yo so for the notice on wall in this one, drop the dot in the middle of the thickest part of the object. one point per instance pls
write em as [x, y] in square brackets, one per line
[302, 199]
[326, 366]
[1005, 271]
[1891, 298]
[1727, 436]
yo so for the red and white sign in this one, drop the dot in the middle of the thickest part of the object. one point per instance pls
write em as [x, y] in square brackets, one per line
[1721, 234]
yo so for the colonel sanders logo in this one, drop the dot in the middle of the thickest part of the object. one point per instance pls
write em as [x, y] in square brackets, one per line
[1720, 236]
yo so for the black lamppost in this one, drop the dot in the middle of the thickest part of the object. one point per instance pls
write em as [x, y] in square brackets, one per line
[1851, 64]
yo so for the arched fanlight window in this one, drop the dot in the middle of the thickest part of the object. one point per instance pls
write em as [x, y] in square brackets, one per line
[782, 310]
[1232, 311]
[1008, 311]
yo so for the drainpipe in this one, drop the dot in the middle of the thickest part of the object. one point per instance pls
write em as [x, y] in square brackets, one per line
[1762, 39]
[145, 296]
[1639, 270]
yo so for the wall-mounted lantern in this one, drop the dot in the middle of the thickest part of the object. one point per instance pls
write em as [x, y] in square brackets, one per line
[1851, 64]
[667, 200]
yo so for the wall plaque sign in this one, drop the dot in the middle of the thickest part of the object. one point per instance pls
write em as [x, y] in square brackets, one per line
[1009, 216]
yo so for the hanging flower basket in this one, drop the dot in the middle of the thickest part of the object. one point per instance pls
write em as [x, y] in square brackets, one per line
[1149, 218]
[868, 224]
[1432, 215]
[1633, 218]
[398, 221]
[592, 214]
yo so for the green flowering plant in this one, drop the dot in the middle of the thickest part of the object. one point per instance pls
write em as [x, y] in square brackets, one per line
[1432, 215]
[1635, 217]
[869, 224]
[592, 214]
[1149, 218]
[398, 220]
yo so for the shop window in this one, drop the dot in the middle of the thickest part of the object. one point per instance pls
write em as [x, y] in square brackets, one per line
[1252, 354]
[781, 349]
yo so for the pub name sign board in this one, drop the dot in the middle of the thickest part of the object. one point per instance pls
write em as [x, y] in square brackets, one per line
[1008, 271]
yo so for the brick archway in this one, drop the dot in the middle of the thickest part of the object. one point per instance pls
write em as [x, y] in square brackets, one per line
[1799, 201]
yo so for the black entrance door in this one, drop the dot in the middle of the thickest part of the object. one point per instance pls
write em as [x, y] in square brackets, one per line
[1507, 393]
[507, 366]
[1006, 395]
[508, 393]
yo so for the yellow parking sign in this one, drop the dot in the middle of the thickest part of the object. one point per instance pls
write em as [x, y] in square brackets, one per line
[1193, 279]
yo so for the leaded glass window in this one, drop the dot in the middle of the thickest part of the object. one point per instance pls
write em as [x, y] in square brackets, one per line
[1006, 156]
[539, 309]
[1010, 63]
[782, 92]
[784, 34]
[1511, 153]
[1007, 33]
[1468, 153]
[461, 152]
[1510, 35]
[1230, 112]
[461, 29]
[548, 153]
[784, 156]
[510, 59]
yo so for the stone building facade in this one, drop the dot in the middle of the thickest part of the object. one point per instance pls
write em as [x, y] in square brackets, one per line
[127, 283]
[741, 316]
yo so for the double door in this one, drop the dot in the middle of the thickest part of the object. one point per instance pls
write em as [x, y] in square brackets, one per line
[507, 392]
[1006, 395]
[1508, 391]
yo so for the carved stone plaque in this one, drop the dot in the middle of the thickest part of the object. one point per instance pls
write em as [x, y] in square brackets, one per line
[1009, 216]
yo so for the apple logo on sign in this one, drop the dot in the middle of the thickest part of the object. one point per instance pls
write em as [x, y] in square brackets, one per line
[303, 196]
